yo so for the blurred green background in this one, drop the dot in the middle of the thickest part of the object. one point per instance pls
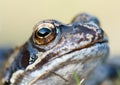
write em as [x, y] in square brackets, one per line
[17, 17]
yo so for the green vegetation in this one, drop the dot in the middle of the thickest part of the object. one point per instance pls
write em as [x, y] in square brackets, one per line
[76, 78]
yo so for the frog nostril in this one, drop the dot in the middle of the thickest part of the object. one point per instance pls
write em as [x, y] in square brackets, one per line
[43, 32]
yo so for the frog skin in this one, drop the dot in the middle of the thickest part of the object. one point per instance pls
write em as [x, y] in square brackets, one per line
[56, 50]
[107, 71]
[84, 18]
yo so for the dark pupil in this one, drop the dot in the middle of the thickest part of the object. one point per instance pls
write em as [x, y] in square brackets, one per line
[43, 32]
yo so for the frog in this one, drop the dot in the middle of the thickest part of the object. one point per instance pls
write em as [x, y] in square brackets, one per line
[55, 50]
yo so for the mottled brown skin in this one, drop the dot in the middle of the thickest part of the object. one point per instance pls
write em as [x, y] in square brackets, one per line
[64, 39]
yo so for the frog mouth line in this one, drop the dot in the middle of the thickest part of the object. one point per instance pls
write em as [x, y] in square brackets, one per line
[87, 46]
[77, 49]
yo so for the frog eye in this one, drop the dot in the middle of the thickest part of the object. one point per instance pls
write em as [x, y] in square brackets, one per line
[44, 34]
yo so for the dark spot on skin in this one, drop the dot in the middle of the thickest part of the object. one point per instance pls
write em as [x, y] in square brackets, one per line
[25, 58]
